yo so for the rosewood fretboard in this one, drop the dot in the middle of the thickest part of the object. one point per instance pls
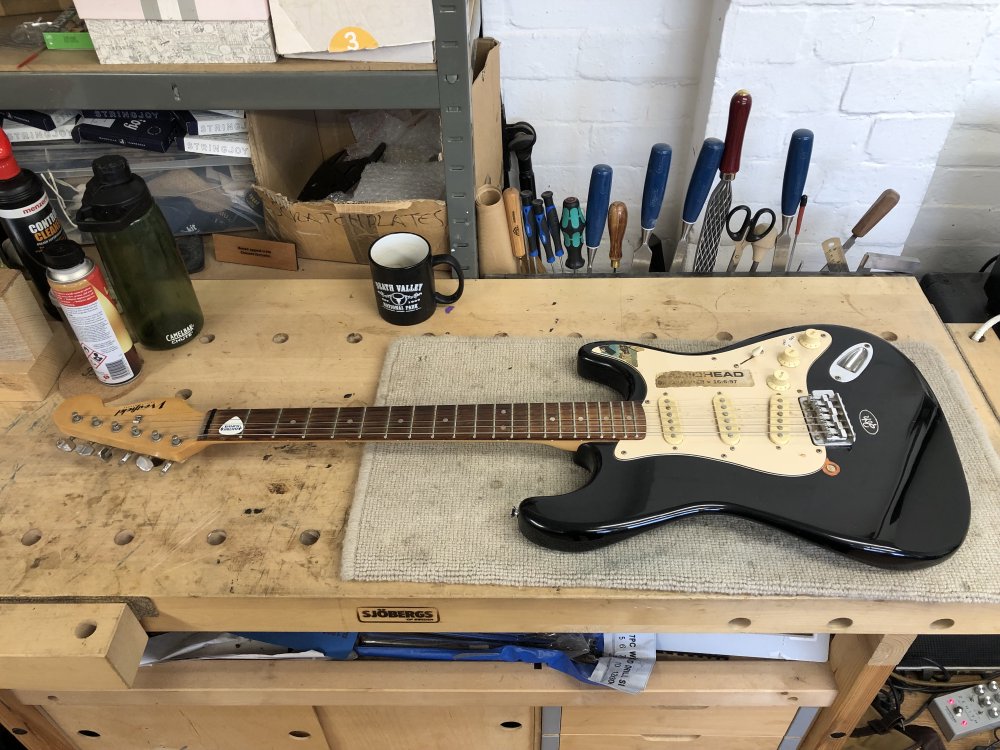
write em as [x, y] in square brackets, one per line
[590, 420]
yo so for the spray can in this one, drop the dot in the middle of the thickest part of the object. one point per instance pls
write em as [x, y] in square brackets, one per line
[27, 217]
[82, 293]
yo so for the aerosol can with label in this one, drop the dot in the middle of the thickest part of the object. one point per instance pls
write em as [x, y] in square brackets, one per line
[140, 256]
[28, 218]
[81, 291]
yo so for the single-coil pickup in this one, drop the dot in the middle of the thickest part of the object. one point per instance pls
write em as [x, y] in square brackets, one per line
[670, 421]
[727, 419]
[777, 420]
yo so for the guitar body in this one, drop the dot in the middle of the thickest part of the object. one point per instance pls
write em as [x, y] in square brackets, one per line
[890, 492]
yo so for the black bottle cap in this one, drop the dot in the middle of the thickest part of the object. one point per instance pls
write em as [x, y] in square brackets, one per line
[63, 254]
[114, 197]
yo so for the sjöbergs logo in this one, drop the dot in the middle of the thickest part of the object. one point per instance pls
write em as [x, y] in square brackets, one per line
[398, 614]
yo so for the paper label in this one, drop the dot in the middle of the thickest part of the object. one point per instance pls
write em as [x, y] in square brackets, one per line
[627, 663]
[253, 252]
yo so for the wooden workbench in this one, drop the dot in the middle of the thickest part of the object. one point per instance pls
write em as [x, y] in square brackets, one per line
[248, 537]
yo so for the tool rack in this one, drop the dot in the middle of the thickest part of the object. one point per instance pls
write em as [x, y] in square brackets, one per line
[76, 80]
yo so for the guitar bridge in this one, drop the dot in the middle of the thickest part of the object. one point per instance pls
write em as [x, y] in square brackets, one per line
[827, 420]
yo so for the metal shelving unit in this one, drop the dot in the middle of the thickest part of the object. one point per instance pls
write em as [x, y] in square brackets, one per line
[288, 84]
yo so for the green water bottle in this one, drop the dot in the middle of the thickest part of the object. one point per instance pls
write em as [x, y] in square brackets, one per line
[140, 256]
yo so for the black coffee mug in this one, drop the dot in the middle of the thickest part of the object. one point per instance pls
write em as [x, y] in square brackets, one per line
[402, 273]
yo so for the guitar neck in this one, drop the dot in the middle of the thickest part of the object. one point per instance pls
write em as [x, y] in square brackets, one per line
[580, 420]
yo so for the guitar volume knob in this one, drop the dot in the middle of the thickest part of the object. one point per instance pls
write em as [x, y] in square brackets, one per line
[789, 357]
[811, 338]
[778, 381]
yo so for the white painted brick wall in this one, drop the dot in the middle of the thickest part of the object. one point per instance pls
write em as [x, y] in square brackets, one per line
[879, 81]
[958, 228]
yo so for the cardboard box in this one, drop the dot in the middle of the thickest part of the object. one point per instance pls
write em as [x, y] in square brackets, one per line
[172, 10]
[371, 31]
[26, 7]
[123, 42]
[286, 147]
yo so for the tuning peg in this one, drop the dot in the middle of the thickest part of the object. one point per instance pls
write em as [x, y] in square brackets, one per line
[125, 457]
[85, 449]
[105, 453]
[166, 467]
[66, 444]
[144, 463]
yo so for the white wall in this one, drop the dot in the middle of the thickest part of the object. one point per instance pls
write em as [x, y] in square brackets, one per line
[879, 82]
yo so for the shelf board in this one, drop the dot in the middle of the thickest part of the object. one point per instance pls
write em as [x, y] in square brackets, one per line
[76, 80]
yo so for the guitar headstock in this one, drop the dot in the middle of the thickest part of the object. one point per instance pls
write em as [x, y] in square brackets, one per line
[165, 429]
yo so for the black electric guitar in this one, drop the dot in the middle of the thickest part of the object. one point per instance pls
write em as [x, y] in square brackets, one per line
[827, 432]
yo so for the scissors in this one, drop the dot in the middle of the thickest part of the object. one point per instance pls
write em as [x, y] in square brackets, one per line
[751, 230]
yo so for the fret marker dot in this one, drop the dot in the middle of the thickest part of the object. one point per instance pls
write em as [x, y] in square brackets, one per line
[350, 421]
[445, 419]
[400, 421]
[552, 419]
[503, 411]
[579, 419]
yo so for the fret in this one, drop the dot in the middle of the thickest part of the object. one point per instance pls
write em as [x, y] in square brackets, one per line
[600, 419]
[494, 422]
[621, 406]
[574, 419]
[364, 416]
[388, 420]
[305, 428]
[277, 419]
[560, 407]
[529, 421]
[586, 405]
[454, 423]
[611, 416]
[377, 422]
[434, 423]
[475, 421]
[258, 423]
[635, 421]
[511, 435]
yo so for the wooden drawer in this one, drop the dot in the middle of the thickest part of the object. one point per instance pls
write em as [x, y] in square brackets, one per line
[687, 721]
[665, 742]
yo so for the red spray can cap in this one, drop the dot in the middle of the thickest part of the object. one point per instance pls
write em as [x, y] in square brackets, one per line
[8, 166]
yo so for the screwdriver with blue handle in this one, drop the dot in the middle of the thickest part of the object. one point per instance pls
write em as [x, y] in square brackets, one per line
[530, 233]
[652, 199]
[701, 182]
[796, 168]
[572, 223]
[542, 231]
[598, 200]
[552, 220]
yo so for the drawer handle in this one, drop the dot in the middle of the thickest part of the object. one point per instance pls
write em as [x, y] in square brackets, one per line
[670, 737]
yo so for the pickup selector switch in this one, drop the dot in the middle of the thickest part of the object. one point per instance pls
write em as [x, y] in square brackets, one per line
[811, 338]
[778, 381]
[789, 357]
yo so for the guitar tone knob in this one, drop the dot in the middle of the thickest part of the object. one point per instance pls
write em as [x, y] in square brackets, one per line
[778, 381]
[789, 357]
[811, 338]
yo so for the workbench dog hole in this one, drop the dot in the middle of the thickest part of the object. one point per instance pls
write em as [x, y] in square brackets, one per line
[840, 623]
[943, 624]
[353, 338]
[510, 724]
[279, 338]
[739, 623]
[208, 338]
[88, 733]
[124, 537]
[18, 730]
[85, 629]
[183, 393]
[216, 537]
[299, 734]
[309, 537]
[889, 336]
[30, 537]
[724, 336]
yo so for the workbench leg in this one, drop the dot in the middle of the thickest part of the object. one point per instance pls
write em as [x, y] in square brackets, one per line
[30, 725]
[861, 664]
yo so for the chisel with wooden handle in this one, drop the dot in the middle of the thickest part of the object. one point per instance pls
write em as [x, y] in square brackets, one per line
[598, 197]
[721, 199]
[882, 205]
[515, 228]
[617, 220]
[796, 168]
[652, 199]
[701, 182]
